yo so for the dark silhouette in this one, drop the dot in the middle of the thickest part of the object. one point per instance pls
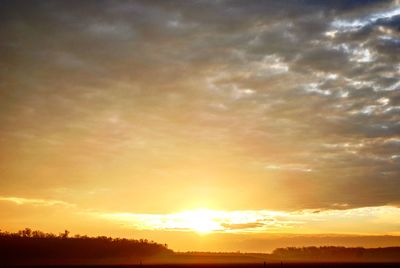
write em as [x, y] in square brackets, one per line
[338, 254]
[27, 246]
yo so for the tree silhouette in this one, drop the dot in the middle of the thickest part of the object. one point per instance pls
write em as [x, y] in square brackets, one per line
[65, 234]
[27, 246]
[338, 253]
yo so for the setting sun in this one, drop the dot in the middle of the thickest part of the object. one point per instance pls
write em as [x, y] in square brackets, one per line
[201, 221]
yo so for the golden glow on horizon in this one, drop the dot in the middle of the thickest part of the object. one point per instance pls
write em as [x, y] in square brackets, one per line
[209, 225]
[368, 220]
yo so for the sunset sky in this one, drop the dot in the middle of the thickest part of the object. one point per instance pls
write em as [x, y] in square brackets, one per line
[208, 125]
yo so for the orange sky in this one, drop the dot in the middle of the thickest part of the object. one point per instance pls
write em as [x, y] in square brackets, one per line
[210, 125]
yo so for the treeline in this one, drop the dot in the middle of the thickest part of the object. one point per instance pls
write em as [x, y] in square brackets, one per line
[28, 246]
[388, 254]
[37, 248]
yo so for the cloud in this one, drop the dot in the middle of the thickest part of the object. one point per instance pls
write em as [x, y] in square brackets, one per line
[145, 98]
[341, 219]
[289, 167]
[35, 202]
[367, 21]
[241, 226]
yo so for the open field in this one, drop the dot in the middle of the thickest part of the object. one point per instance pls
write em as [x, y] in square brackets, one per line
[261, 265]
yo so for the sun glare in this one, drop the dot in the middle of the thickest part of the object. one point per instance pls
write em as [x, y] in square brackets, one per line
[202, 221]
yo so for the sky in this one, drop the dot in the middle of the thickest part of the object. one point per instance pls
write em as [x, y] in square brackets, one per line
[208, 125]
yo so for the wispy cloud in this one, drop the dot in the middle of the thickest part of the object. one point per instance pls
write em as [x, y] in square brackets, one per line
[288, 167]
[35, 202]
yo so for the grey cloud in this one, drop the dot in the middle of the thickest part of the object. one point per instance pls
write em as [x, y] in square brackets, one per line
[257, 76]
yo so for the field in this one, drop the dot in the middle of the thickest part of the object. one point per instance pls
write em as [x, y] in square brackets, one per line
[261, 265]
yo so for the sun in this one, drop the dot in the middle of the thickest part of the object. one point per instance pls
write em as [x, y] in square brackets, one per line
[202, 221]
